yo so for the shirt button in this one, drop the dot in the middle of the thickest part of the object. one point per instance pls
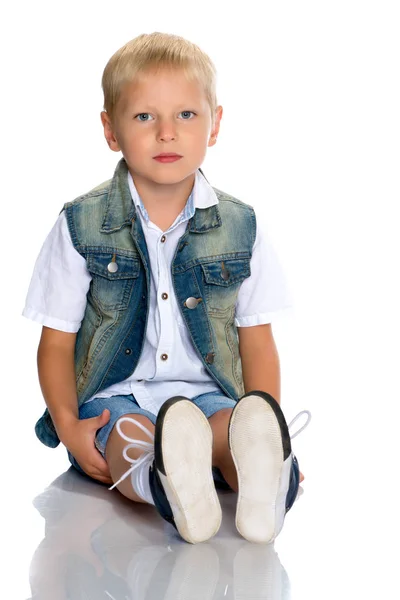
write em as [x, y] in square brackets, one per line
[164, 296]
[163, 238]
[210, 358]
[164, 356]
[128, 351]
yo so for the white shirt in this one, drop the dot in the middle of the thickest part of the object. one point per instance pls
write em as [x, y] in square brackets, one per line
[57, 298]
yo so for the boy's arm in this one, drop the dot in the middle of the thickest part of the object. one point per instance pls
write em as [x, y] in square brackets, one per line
[56, 370]
[260, 360]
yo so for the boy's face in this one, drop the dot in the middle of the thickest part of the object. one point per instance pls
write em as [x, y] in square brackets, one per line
[162, 112]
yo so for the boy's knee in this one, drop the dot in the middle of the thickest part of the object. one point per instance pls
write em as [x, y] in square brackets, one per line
[221, 417]
[127, 425]
[219, 422]
[130, 429]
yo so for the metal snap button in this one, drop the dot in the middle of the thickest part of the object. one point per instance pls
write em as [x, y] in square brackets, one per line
[164, 356]
[128, 351]
[112, 267]
[164, 296]
[192, 302]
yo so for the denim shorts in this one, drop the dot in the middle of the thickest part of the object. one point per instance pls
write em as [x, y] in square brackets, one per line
[209, 403]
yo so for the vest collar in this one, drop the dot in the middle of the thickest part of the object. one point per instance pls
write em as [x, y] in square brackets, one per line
[121, 211]
[205, 219]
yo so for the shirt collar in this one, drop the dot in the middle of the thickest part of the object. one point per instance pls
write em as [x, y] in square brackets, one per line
[201, 196]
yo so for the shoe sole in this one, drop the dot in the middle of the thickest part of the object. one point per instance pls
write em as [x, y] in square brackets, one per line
[184, 466]
[263, 471]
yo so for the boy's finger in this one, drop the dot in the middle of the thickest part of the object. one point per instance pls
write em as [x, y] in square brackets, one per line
[99, 463]
[101, 478]
[102, 467]
[99, 469]
[100, 420]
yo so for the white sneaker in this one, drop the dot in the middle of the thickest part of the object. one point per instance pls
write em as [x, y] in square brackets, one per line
[181, 479]
[178, 465]
[267, 470]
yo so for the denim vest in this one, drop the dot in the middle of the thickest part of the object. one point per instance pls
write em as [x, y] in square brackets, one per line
[211, 261]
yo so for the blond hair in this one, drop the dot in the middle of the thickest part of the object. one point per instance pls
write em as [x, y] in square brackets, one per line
[152, 52]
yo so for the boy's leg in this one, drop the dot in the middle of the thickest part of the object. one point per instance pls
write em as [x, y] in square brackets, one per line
[175, 471]
[268, 475]
[222, 457]
[111, 445]
[115, 447]
[251, 448]
[218, 409]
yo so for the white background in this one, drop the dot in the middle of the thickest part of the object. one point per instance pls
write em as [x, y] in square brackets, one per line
[310, 137]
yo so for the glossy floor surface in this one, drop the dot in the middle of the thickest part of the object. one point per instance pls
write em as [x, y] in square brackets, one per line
[76, 540]
[97, 545]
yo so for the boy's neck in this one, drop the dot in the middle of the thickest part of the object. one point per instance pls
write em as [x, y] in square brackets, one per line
[164, 203]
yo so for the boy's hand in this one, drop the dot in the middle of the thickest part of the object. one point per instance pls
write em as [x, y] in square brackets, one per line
[301, 477]
[79, 437]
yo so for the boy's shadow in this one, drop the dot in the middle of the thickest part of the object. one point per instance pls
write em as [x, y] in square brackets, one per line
[100, 545]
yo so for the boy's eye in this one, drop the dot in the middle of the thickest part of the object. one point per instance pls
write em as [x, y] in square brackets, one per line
[141, 115]
[187, 112]
[184, 112]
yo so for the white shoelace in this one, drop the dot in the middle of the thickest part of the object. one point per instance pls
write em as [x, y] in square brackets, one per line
[148, 447]
[293, 421]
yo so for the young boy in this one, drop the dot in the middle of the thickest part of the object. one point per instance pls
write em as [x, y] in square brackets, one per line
[154, 291]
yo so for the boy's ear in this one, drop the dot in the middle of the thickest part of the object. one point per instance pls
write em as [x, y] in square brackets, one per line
[109, 132]
[215, 130]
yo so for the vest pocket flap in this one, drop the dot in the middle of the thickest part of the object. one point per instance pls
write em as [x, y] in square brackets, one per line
[226, 272]
[113, 266]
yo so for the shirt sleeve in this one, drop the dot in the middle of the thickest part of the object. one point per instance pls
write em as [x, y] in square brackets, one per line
[60, 281]
[266, 293]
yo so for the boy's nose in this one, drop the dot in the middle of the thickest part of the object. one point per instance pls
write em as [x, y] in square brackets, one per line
[166, 131]
[166, 136]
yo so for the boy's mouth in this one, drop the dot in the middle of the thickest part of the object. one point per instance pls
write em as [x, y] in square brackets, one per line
[167, 157]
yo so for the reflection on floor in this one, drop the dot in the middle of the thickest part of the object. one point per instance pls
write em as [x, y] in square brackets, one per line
[98, 545]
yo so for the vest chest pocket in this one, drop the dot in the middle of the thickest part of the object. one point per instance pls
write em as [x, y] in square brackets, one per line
[113, 278]
[222, 282]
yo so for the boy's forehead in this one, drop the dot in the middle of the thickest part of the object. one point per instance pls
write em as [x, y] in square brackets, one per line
[164, 86]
